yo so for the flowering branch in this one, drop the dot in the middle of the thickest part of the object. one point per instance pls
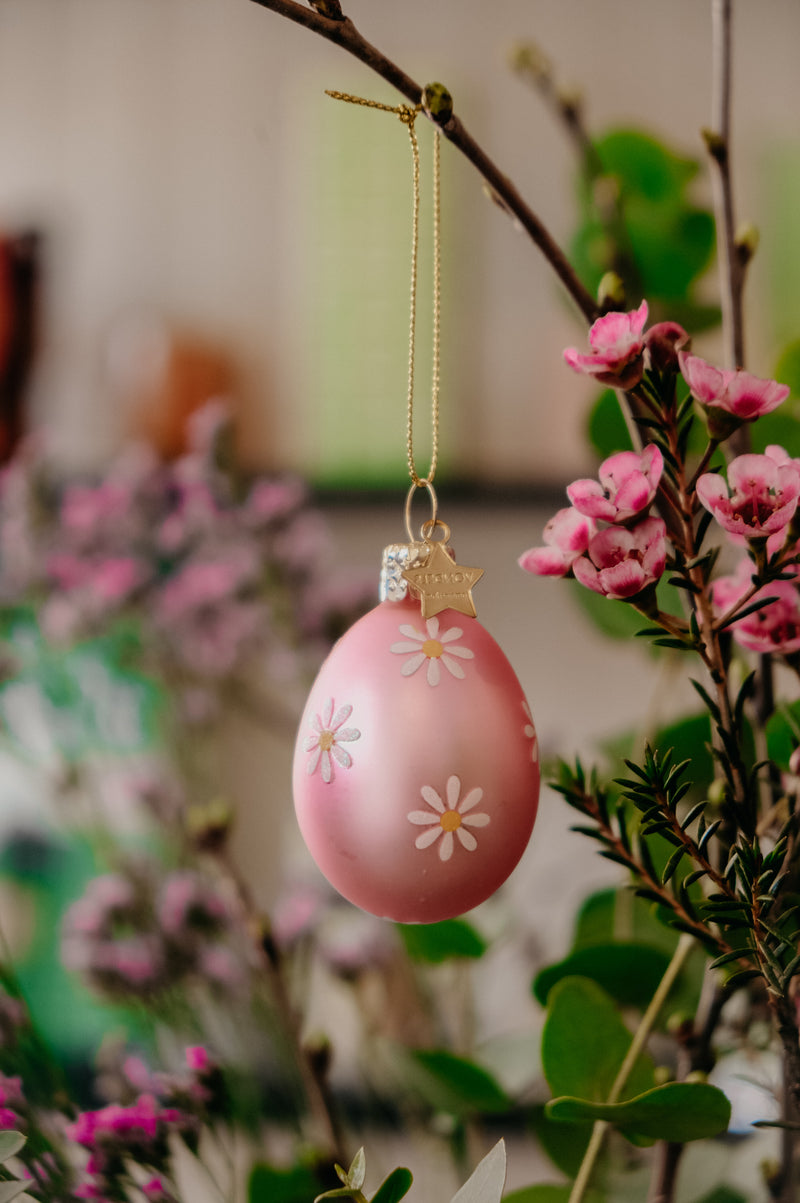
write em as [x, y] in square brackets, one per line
[342, 32]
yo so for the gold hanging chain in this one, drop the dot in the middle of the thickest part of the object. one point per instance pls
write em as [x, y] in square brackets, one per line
[408, 115]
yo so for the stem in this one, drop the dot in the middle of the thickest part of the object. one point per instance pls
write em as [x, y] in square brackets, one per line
[685, 946]
[669, 1155]
[344, 33]
[731, 265]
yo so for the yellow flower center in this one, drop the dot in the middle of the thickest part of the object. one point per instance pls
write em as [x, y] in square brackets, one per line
[326, 740]
[432, 648]
[450, 820]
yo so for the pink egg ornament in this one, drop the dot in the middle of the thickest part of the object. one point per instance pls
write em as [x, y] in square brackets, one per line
[416, 769]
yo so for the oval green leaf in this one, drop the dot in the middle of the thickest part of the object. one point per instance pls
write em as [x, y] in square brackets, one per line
[437, 942]
[628, 971]
[585, 1041]
[459, 1086]
[678, 1111]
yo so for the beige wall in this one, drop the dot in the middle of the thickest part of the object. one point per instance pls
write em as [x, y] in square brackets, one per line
[160, 143]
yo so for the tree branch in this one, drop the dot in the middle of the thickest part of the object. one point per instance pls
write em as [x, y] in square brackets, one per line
[342, 32]
[718, 141]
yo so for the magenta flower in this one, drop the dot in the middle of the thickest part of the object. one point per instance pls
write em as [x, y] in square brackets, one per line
[617, 355]
[622, 561]
[738, 393]
[566, 537]
[760, 497]
[626, 487]
[197, 1059]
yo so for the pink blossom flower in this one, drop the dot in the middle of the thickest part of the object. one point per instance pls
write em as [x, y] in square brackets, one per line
[156, 1192]
[617, 344]
[759, 499]
[626, 487]
[773, 629]
[621, 561]
[738, 393]
[566, 537]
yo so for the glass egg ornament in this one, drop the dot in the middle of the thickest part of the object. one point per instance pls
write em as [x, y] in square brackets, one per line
[416, 767]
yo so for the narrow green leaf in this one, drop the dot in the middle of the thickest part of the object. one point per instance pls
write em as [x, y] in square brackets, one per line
[10, 1143]
[358, 1170]
[672, 864]
[678, 1111]
[395, 1187]
[486, 1183]
[10, 1190]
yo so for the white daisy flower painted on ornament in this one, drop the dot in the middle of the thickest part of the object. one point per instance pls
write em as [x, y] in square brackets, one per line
[433, 647]
[325, 744]
[529, 730]
[449, 818]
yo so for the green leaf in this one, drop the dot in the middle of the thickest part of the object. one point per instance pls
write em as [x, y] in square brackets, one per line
[10, 1190]
[723, 1194]
[564, 1144]
[678, 1111]
[607, 429]
[270, 1185]
[485, 1184]
[395, 1187]
[358, 1170]
[584, 1043]
[644, 165]
[549, 1192]
[10, 1143]
[629, 972]
[459, 1086]
[437, 942]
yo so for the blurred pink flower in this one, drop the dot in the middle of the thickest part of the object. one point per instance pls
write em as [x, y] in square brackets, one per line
[617, 355]
[773, 629]
[760, 497]
[738, 393]
[189, 900]
[566, 537]
[198, 1059]
[622, 561]
[626, 487]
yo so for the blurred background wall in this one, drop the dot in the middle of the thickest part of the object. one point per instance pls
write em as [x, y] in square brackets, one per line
[182, 164]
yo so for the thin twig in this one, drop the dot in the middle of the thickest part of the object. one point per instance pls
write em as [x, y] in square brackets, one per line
[719, 145]
[344, 33]
[685, 946]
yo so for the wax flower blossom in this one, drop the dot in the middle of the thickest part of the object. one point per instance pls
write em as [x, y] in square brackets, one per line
[566, 537]
[760, 497]
[775, 628]
[626, 487]
[622, 561]
[617, 355]
[738, 393]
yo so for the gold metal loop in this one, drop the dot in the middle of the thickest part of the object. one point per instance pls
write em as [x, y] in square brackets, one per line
[423, 483]
[435, 524]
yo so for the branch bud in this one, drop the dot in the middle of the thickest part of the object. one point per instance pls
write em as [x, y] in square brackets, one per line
[611, 292]
[331, 9]
[437, 103]
[715, 144]
[208, 825]
[529, 59]
[746, 242]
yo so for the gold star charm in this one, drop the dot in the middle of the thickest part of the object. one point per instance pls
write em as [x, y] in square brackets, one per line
[441, 584]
